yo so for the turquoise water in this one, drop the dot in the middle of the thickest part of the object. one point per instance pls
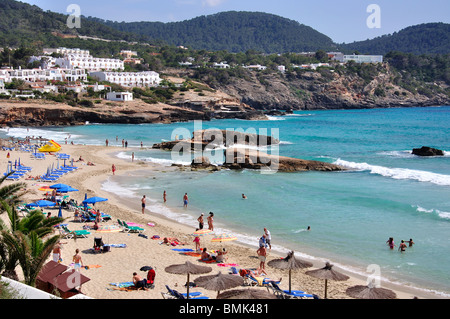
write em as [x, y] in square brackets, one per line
[387, 192]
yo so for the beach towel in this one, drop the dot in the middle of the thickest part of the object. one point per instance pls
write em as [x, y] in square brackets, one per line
[227, 265]
[151, 224]
[182, 249]
[117, 245]
[207, 261]
[122, 284]
[193, 254]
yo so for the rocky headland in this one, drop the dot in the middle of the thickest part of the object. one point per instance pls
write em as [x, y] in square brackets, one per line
[238, 155]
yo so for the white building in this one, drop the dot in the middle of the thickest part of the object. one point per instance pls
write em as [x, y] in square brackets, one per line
[128, 53]
[129, 79]
[4, 75]
[67, 51]
[336, 56]
[363, 58]
[256, 67]
[2, 88]
[90, 63]
[119, 96]
[221, 65]
[55, 74]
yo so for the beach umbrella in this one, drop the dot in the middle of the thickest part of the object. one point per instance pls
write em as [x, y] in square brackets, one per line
[107, 229]
[44, 188]
[223, 237]
[290, 263]
[327, 273]
[219, 282]
[188, 269]
[246, 294]
[370, 292]
[41, 203]
[201, 232]
[93, 200]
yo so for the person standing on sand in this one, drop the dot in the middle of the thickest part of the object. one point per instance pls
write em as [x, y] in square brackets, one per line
[78, 262]
[262, 253]
[106, 142]
[185, 200]
[200, 221]
[143, 204]
[268, 238]
[113, 169]
[210, 220]
[57, 252]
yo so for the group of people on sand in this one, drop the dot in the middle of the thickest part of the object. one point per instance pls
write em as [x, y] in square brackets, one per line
[209, 219]
[402, 247]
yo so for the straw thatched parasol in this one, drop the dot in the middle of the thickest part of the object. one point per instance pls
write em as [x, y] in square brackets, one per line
[188, 268]
[246, 294]
[370, 292]
[290, 263]
[219, 282]
[327, 273]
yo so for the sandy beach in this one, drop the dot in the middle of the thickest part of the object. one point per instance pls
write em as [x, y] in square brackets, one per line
[119, 264]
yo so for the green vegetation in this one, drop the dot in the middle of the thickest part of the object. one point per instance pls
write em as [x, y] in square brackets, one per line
[427, 38]
[233, 31]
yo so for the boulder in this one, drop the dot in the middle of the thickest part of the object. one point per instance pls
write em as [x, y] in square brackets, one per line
[427, 151]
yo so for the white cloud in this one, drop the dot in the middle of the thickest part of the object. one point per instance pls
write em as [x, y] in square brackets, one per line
[212, 3]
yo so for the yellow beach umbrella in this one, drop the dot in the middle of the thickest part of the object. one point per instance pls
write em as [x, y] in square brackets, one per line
[223, 237]
[201, 232]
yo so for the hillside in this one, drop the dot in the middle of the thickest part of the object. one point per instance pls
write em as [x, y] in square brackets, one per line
[233, 31]
[23, 24]
[425, 38]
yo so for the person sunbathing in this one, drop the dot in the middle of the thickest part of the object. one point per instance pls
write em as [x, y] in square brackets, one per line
[205, 256]
[172, 241]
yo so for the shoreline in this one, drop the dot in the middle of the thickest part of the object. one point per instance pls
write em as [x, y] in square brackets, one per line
[89, 179]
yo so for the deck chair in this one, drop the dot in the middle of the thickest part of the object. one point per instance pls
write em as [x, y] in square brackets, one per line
[98, 244]
[285, 294]
[64, 233]
[178, 295]
[132, 229]
[78, 233]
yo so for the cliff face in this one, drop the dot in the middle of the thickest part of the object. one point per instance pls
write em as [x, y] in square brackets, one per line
[328, 89]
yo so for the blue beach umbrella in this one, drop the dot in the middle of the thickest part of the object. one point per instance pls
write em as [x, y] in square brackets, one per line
[93, 200]
[58, 186]
[41, 203]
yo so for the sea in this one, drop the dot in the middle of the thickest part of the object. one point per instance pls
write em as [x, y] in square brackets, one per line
[385, 191]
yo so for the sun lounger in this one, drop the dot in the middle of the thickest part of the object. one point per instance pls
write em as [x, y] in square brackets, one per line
[77, 233]
[285, 294]
[130, 229]
[173, 294]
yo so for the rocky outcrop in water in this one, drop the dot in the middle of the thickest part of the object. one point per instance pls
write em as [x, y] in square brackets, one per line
[427, 151]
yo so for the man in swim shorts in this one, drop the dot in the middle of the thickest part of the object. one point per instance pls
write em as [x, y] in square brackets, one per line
[143, 204]
[262, 253]
[185, 200]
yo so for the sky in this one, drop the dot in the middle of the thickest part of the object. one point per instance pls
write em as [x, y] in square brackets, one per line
[344, 21]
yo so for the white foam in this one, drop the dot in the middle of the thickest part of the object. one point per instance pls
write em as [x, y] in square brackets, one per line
[115, 188]
[441, 214]
[405, 154]
[398, 173]
[21, 132]
[275, 118]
